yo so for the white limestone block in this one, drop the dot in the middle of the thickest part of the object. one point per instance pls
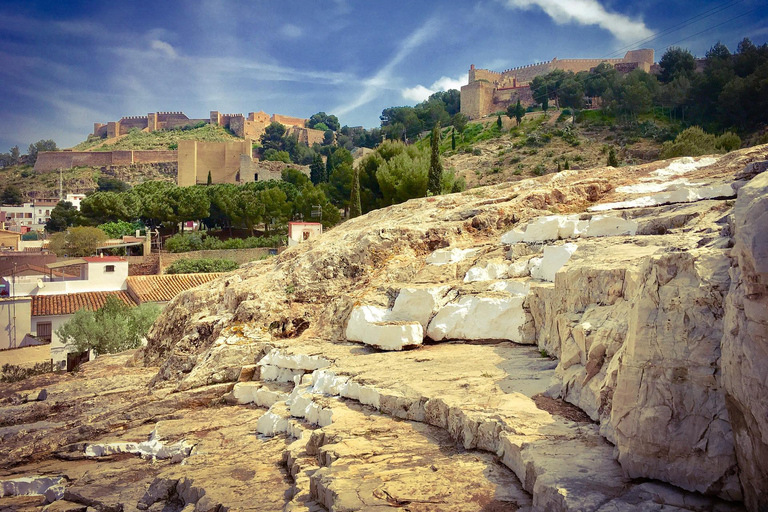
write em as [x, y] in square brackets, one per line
[30, 486]
[270, 424]
[243, 392]
[513, 236]
[519, 269]
[393, 335]
[490, 272]
[276, 374]
[264, 397]
[512, 287]
[327, 383]
[479, 318]
[418, 304]
[682, 165]
[452, 255]
[610, 225]
[294, 361]
[360, 319]
[554, 258]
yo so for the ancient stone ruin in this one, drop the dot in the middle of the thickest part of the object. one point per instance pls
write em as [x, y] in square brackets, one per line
[583, 341]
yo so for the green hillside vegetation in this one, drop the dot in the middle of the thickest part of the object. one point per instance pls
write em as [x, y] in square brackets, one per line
[161, 139]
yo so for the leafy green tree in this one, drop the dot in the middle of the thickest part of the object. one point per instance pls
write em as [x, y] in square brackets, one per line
[272, 138]
[63, 216]
[329, 120]
[355, 209]
[317, 170]
[460, 122]
[41, 145]
[294, 176]
[338, 157]
[77, 241]
[403, 175]
[310, 197]
[12, 195]
[103, 207]
[186, 203]
[434, 186]
[112, 328]
[321, 126]
[571, 94]
[676, 62]
[328, 138]
[277, 156]
[277, 209]
[339, 187]
[120, 228]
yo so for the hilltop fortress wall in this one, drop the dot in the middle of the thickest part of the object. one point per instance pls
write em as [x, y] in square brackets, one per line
[252, 126]
[491, 91]
[53, 160]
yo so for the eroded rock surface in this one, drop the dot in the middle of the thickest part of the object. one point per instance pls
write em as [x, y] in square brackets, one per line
[608, 361]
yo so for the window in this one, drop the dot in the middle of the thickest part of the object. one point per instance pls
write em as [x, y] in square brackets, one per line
[44, 331]
[109, 268]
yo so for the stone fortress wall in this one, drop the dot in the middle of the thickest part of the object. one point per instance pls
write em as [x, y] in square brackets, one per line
[53, 160]
[491, 91]
[252, 126]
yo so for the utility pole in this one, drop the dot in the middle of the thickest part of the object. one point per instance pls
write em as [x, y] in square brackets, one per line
[61, 186]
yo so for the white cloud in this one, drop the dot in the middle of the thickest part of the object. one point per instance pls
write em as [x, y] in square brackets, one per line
[164, 48]
[420, 93]
[588, 12]
[291, 31]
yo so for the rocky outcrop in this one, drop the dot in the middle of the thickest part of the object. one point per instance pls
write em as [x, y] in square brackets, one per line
[745, 342]
[500, 348]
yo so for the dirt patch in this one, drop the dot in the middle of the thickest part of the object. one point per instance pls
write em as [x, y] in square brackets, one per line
[558, 407]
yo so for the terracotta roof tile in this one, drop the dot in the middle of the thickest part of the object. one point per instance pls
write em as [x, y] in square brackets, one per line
[67, 304]
[165, 287]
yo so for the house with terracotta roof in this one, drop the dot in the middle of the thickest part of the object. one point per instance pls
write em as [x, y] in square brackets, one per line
[49, 312]
[163, 288]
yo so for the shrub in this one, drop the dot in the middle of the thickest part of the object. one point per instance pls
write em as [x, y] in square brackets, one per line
[477, 152]
[198, 241]
[14, 373]
[694, 141]
[203, 265]
[30, 236]
[539, 170]
[613, 161]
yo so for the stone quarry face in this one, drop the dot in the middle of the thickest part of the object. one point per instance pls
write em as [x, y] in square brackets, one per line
[588, 340]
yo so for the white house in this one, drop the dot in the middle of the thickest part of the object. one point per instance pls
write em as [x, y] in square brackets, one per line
[91, 274]
[33, 214]
[75, 199]
[302, 231]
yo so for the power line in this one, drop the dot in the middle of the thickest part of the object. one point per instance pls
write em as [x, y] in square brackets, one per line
[674, 28]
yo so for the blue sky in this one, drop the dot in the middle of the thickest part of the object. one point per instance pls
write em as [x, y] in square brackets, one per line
[65, 65]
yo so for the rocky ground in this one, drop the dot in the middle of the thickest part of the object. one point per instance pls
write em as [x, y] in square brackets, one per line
[587, 340]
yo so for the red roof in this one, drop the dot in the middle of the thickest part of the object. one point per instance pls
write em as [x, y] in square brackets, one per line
[67, 304]
[165, 287]
[104, 259]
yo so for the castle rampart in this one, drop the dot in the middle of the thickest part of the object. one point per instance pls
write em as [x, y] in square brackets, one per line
[53, 160]
[491, 91]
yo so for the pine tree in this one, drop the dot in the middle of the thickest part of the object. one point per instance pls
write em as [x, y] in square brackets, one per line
[317, 170]
[453, 139]
[498, 122]
[434, 183]
[612, 160]
[355, 209]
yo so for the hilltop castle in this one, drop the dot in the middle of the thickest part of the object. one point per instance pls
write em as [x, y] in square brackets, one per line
[252, 126]
[491, 91]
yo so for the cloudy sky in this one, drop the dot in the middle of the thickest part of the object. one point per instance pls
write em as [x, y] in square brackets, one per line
[67, 64]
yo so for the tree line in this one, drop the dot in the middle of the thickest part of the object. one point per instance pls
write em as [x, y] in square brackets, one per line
[731, 91]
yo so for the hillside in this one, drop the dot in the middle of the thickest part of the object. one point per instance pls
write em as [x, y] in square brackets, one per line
[162, 139]
[485, 155]
[518, 346]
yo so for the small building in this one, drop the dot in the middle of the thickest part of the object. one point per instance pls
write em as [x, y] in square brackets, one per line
[302, 231]
[91, 274]
[32, 215]
[75, 199]
[9, 240]
[15, 322]
[49, 312]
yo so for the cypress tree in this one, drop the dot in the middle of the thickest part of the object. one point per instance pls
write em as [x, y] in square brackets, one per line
[355, 209]
[498, 122]
[210, 181]
[328, 169]
[567, 165]
[434, 183]
[317, 170]
[612, 160]
[453, 139]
